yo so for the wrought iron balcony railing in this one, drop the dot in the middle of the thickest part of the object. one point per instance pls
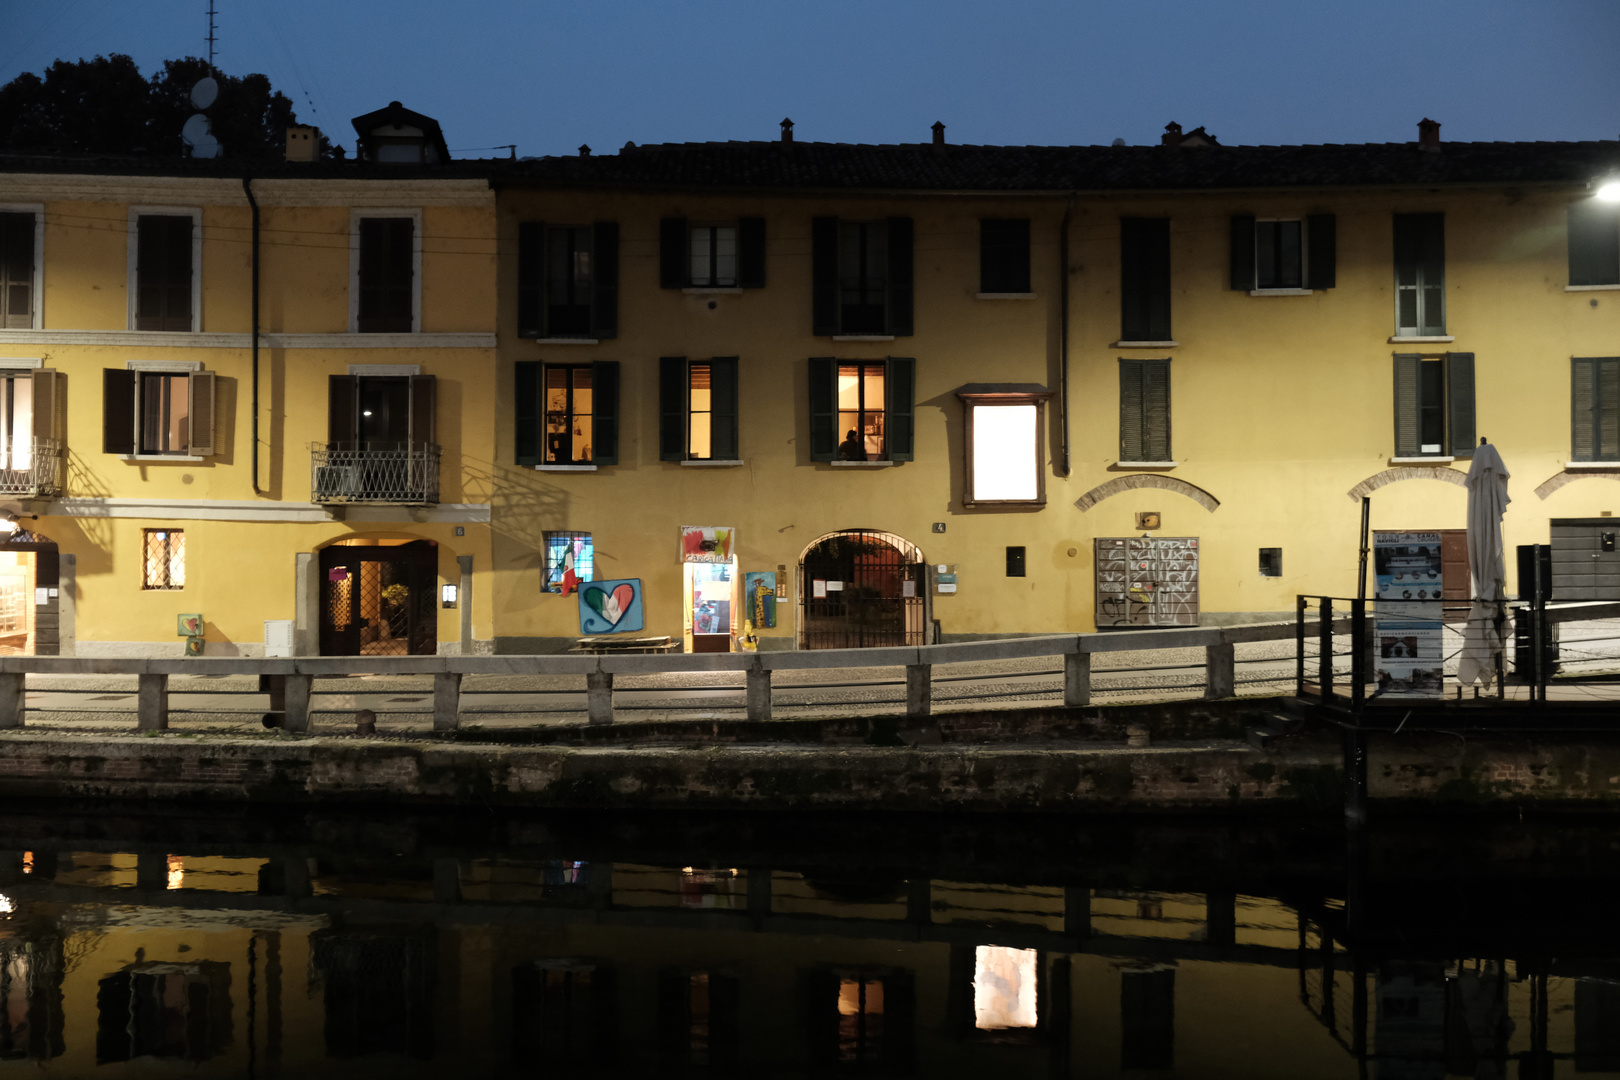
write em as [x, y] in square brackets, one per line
[30, 467]
[340, 473]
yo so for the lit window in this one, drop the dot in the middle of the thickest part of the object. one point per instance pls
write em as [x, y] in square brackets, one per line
[1004, 988]
[568, 414]
[860, 411]
[1005, 428]
[164, 562]
[860, 1019]
[152, 408]
[570, 559]
[697, 409]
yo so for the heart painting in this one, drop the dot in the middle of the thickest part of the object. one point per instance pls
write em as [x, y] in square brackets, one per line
[610, 607]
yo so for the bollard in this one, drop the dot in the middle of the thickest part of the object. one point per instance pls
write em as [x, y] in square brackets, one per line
[1220, 672]
[13, 699]
[919, 689]
[599, 696]
[1076, 678]
[152, 702]
[759, 691]
[446, 700]
[297, 701]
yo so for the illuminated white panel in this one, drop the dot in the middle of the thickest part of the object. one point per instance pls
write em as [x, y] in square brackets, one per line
[1004, 453]
[1003, 988]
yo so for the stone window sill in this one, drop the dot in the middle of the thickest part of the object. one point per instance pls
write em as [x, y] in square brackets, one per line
[719, 290]
[1004, 296]
[1610, 466]
[567, 341]
[713, 463]
[565, 468]
[1145, 464]
[1280, 292]
[1435, 459]
[1441, 339]
[863, 337]
[860, 464]
[1144, 344]
[173, 459]
[1591, 288]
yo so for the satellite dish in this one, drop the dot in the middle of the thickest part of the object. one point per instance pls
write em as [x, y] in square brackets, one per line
[197, 136]
[205, 92]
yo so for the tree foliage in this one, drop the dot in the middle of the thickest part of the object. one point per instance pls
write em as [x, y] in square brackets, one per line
[106, 106]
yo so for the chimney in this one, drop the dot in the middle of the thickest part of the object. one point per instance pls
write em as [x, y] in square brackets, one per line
[939, 134]
[787, 131]
[1428, 134]
[584, 151]
[301, 142]
[1172, 134]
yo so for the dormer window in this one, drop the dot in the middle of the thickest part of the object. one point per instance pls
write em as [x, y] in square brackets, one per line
[397, 136]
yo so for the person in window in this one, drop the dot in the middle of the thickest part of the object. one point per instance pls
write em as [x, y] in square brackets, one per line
[851, 449]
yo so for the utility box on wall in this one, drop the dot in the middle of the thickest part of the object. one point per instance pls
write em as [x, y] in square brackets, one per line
[1147, 581]
[278, 637]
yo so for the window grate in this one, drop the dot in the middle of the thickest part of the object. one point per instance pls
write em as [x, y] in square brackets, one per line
[164, 562]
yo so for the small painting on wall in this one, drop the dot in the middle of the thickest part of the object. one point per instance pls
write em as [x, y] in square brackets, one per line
[610, 607]
[759, 590]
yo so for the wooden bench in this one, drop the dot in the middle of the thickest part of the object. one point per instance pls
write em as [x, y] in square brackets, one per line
[619, 646]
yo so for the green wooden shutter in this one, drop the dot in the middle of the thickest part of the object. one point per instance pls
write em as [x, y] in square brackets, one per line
[531, 279]
[823, 408]
[341, 392]
[1594, 243]
[824, 276]
[1406, 405]
[605, 412]
[1322, 246]
[899, 407]
[1606, 418]
[900, 276]
[1581, 398]
[723, 408]
[751, 252]
[1243, 252]
[605, 280]
[1156, 410]
[1130, 410]
[1460, 402]
[672, 408]
[118, 411]
[1145, 279]
[1433, 266]
[674, 253]
[526, 383]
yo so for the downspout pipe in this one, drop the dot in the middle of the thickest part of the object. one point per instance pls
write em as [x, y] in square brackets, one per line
[1063, 336]
[247, 189]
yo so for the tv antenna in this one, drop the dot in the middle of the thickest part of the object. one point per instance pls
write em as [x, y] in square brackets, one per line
[211, 35]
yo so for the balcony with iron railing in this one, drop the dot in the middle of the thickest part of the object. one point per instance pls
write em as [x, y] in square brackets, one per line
[30, 467]
[342, 473]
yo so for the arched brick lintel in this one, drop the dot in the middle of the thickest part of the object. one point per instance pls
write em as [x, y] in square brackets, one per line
[1395, 476]
[1560, 479]
[1146, 480]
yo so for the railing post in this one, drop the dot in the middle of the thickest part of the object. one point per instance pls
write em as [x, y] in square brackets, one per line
[1299, 646]
[446, 700]
[599, 696]
[152, 702]
[13, 699]
[1324, 649]
[919, 689]
[1358, 656]
[1220, 671]
[759, 692]
[296, 695]
[1076, 678]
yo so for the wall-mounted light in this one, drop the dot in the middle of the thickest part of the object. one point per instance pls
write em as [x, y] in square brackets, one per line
[448, 594]
[1607, 187]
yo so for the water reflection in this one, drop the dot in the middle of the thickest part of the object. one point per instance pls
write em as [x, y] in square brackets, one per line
[351, 946]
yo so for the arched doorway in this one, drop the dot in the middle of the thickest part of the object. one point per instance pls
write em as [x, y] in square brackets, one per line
[30, 603]
[378, 598]
[860, 588]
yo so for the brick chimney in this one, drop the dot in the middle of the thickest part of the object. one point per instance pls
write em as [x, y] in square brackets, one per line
[301, 142]
[1428, 134]
[939, 133]
[787, 131]
[584, 151]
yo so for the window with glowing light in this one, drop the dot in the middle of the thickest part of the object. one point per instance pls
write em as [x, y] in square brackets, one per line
[697, 409]
[163, 565]
[1005, 988]
[1004, 434]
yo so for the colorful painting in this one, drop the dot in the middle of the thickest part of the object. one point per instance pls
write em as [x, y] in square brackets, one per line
[706, 543]
[189, 625]
[759, 589]
[610, 607]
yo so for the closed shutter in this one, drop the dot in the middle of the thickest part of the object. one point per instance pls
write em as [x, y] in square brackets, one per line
[526, 388]
[531, 280]
[117, 411]
[605, 280]
[1594, 243]
[1156, 410]
[1130, 410]
[17, 270]
[1004, 255]
[1606, 419]
[899, 407]
[385, 301]
[1407, 436]
[163, 272]
[751, 252]
[1460, 402]
[674, 253]
[47, 385]
[900, 275]
[823, 408]
[1145, 279]
[341, 391]
[724, 444]
[424, 394]
[200, 388]
[1582, 397]
[605, 412]
[824, 279]
[1322, 244]
[673, 407]
[1243, 251]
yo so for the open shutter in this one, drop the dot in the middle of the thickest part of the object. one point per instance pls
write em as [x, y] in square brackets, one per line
[672, 408]
[340, 394]
[526, 387]
[1322, 246]
[1406, 405]
[1130, 410]
[424, 391]
[1460, 402]
[605, 280]
[46, 386]
[1594, 243]
[824, 279]
[1156, 410]
[605, 412]
[900, 275]
[1243, 251]
[899, 407]
[723, 408]
[674, 255]
[200, 385]
[751, 252]
[531, 279]
[823, 408]
[117, 411]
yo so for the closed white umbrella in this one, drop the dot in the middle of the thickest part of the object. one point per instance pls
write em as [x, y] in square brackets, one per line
[1487, 502]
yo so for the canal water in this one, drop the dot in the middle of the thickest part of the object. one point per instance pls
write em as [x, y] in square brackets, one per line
[158, 941]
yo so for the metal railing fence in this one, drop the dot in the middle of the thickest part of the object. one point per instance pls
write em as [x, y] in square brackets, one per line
[343, 474]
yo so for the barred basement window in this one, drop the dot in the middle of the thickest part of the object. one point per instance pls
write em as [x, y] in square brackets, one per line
[570, 559]
[163, 565]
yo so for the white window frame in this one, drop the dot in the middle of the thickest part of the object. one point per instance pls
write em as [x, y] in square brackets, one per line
[355, 217]
[1304, 288]
[38, 210]
[134, 257]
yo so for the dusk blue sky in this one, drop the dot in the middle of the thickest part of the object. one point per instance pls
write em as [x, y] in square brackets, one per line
[549, 76]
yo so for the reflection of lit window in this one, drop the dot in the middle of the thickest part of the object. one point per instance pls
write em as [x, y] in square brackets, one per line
[177, 871]
[860, 1019]
[1004, 994]
[28, 862]
[709, 888]
[1004, 432]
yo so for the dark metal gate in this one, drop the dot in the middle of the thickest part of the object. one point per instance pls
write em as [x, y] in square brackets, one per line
[379, 601]
[858, 590]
